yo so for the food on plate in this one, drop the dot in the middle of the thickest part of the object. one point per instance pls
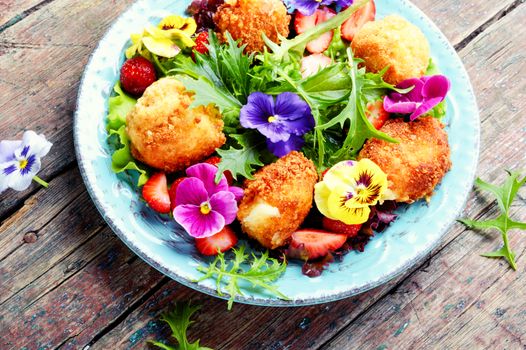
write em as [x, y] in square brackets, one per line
[278, 199]
[395, 43]
[416, 164]
[247, 20]
[168, 135]
[301, 141]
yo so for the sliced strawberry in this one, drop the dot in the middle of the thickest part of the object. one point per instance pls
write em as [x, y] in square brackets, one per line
[136, 75]
[214, 160]
[222, 241]
[155, 193]
[173, 190]
[200, 43]
[376, 114]
[303, 23]
[337, 226]
[311, 64]
[351, 26]
[314, 244]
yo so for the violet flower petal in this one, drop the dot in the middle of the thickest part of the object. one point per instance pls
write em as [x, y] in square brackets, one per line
[7, 150]
[281, 149]
[38, 144]
[425, 107]
[256, 112]
[198, 225]
[393, 106]
[206, 173]
[415, 95]
[191, 191]
[237, 191]
[225, 204]
[436, 86]
[289, 107]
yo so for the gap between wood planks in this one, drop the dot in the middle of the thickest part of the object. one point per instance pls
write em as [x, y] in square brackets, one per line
[24, 14]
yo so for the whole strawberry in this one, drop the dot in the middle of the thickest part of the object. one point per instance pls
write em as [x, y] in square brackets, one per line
[200, 43]
[137, 74]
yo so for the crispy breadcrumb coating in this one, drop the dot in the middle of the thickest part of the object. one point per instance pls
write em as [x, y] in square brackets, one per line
[246, 20]
[166, 134]
[278, 199]
[395, 43]
[415, 165]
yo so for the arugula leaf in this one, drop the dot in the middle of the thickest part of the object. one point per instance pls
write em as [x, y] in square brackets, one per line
[260, 271]
[122, 159]
[505, 195]
[119, 106]
[241, 161]
[179, 321]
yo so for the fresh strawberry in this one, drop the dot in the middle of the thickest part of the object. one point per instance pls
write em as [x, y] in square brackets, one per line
[214, 160]
[200, 43]
[155, 193]
[376, 113]
[351, 26]
[311, 64]
[337, 226]
[315, 243]
[173, 190]
[303, 23]
[137, 74]
[223, 240]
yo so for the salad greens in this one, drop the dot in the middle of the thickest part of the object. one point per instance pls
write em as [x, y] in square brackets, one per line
[179, 321]
[505, 195]
[259, 271]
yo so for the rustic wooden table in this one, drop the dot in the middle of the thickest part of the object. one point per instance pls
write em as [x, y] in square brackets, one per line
[66, 281]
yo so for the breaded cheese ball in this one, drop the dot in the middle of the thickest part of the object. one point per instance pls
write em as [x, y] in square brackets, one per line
[166, 134]
[246, 20]
[416, 164]
[278, 199]
[395, 43]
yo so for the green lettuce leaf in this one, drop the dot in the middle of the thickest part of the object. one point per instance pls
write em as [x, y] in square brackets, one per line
[119, 106]
[241, 161]
[122, 159]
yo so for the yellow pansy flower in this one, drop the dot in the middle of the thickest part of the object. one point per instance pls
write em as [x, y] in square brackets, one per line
[349, 189]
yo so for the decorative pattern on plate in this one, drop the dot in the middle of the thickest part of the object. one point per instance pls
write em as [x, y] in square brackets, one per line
[163, 245]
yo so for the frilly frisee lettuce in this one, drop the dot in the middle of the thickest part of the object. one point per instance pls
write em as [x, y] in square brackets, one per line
[122, 159]
[505, 194]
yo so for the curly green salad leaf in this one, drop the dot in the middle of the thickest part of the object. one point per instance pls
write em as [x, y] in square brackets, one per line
[179, 321]
[260, 271]
[505, 195]
[122, 159]
[240, 161]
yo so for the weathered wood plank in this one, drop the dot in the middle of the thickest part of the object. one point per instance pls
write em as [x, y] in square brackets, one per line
[13, 11]
[50, 35]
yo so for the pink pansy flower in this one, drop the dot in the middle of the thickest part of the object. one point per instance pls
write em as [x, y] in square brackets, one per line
[204, 207]
[427, 92]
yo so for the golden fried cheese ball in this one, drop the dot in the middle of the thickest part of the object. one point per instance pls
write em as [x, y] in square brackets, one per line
[278, 199]
[246, 20]
[416, 164]
[392, 42]
[166, 134]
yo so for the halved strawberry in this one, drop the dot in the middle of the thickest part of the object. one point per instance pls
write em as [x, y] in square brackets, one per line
[214, 160]
[222, 241]
[173, 190]
[303, 23]
[311, 64]
[351, 26]
[155, 193]
[337, 226]
[314, 244]
[376, 114]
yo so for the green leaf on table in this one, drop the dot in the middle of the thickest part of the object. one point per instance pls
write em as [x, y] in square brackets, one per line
[260, 271]
[505, 194]
[119, 107]
[122, 159]
[240, 161]
[179, 321]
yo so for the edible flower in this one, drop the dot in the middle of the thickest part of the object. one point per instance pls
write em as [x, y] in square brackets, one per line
[349, 189]
[282, 121]
[203, 207]
[427, 92]
[308, 7]
[166, 40]
[20, 161]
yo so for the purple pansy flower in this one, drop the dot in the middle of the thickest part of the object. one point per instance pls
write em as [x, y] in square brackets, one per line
[282, 121]
[204, 207]
[308, 7]
[427, 92]
[20, 161]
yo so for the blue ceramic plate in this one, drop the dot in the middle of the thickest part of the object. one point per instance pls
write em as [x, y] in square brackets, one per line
[162, 244]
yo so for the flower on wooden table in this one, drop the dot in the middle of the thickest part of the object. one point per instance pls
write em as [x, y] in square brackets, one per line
[427, 92]
[349, 189]
[308, 7]
[282, 121]
[20, 161]
[203, 207]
